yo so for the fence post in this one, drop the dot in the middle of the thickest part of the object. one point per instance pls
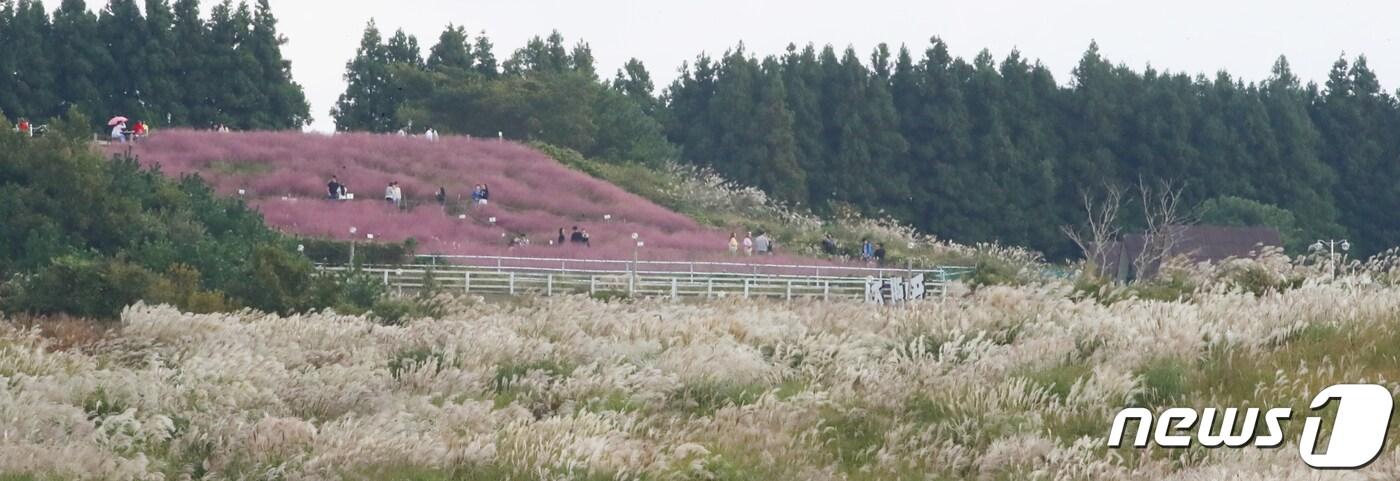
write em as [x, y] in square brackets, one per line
[592, 285]
[710, 288]
[632, 284]
[746, 288]
[789, 290]
[826, 290]
[498, 264]
[549, 285]
[673, 289]
[386, 277]
[467, 282]
[512, 283]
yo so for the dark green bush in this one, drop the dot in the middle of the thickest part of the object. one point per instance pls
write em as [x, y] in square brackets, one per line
[87, 236]
[333, 252]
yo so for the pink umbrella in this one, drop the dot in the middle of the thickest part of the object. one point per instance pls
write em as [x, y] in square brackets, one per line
[116, 120]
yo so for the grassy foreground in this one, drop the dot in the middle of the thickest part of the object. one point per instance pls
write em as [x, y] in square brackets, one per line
[1003, 383]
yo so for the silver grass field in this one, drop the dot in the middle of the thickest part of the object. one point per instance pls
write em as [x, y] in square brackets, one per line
[1002, 382]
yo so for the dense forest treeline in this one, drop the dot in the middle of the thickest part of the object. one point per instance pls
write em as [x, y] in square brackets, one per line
[166, 66]
[980, 150]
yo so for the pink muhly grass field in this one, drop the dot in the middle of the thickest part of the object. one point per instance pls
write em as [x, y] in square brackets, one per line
[284, 175]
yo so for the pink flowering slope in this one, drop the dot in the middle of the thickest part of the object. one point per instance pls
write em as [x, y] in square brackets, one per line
[284, 175]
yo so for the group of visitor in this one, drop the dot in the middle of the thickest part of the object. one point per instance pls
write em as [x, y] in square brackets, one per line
[763, 244]
[394, 194]
[336, 190]
[481, 194]
[24, 128]
[578, 236]
[121, 134]
[872, 252]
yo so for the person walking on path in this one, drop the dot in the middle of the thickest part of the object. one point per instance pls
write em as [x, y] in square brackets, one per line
[748, 244]
[733, 244]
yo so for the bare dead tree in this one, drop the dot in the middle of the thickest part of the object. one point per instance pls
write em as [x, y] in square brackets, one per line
[1166, 220]
[1100, 231]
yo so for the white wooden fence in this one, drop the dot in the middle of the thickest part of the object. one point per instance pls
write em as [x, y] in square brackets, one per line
[645, 280]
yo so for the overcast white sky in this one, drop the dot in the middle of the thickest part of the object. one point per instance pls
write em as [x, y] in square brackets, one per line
[1242, 36]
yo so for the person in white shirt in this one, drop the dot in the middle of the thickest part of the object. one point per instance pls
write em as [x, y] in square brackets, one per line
[748, 244]
[119, 133]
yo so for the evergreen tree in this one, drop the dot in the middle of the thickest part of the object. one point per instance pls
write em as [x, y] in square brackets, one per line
[161, 87]
[634, 82]
[34, 73]
[369, 102]
[404, 49]
[9, 101]
[453, 51]
[581, 61]
[195, 67]
[81, 62]
[485, 59]
[123, 30]
[802, 85]
[285, 103]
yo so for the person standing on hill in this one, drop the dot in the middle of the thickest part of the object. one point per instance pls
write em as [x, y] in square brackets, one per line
[867, 250]
[880, 254]
[389, 193]
[733, 244]
[24, 128]
[485, 192]
[140, 131]
[562, 238]
[748, 244]
[119, 133]
[442, 196]
[762, 244]
[829, 244]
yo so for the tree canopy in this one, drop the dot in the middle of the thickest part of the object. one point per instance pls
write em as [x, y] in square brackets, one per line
[975, 150]
[166, 66]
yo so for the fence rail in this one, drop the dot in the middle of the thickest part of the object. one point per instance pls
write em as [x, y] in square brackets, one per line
[757, 268]
[655, 283]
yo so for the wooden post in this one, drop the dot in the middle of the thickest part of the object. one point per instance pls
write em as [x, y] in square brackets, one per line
[549, 285]
[826, 290]
[592, 285]
[746, 288]
[709, 288]
[512, 283]
[467, 282]
[673, 289]
[789, 290]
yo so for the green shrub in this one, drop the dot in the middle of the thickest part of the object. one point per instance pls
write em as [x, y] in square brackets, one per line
[990, 271]
[1163, 382]
[333, 252]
